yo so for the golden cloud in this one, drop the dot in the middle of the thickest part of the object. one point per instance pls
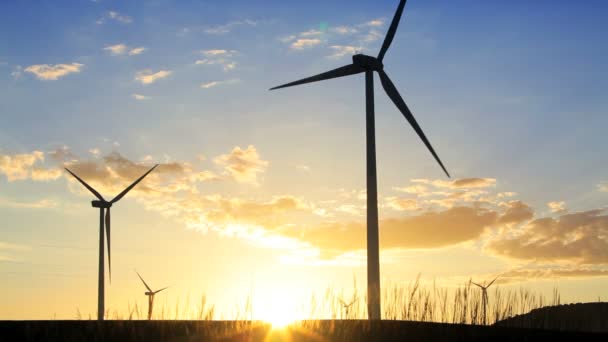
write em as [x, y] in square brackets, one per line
[581, 238]
[26, 166]
[243, 165]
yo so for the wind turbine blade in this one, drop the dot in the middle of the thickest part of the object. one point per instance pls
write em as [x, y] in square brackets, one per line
[125, 191]
[477, 284]
[143, 281]
[492, 282]
[392, 92]
[108, 231]
[164, 288]
[90, 188]
[392, 30]
[346, 70]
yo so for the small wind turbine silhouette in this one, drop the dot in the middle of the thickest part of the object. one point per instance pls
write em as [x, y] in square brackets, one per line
[347, 306]
[368, 64]
[150, 295]
[104, 205]
[484, 297]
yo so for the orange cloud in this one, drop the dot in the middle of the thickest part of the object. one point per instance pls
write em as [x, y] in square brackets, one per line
[243, 165]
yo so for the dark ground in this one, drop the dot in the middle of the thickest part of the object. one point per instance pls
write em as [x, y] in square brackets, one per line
[245, 331]
[591, 317]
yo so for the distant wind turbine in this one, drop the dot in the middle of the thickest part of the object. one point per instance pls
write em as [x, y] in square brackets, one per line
[484, 297]
[368, 64]
[104, 205]
[348, 306]
[150, 295]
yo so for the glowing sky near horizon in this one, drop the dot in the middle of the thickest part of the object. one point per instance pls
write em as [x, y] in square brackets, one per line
[263, 193]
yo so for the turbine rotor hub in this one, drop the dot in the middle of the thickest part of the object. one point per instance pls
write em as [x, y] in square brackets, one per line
[368, 62]
[101, 204]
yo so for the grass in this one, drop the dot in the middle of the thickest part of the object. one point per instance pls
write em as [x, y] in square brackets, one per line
[402, 302]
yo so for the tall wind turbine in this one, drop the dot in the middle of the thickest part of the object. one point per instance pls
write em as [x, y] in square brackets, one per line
[368, 64]
[484, 297]
[104, 206]
[150, 295]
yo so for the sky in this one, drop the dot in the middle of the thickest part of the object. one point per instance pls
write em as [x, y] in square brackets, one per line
[262, 194]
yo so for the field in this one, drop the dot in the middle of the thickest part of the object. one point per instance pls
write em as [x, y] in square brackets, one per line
[328, 330]
[414, 312]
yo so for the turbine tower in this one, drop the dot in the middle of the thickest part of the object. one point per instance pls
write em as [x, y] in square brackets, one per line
[104, 220]
[484, 297]
[368, 64]
[150, 295]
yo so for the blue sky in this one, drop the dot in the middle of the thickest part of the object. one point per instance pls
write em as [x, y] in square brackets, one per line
[509, 91]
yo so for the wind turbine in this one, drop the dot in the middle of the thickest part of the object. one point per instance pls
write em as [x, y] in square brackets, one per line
[150, 295]
[484, 296]
[347, 306]
[104, 205]
[368, 64]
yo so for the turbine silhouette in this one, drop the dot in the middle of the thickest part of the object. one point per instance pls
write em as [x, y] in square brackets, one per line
[484, 297]
[150, 295]
[104, 205]
[347, 306]
[368, 64]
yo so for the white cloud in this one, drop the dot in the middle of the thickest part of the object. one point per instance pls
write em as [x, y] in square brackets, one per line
[137, 51]
[140, 97]
[228, 27]
[48, 72]
[117, 49]
[218, 57]
[304, 43]
[17, 72]
[212, 84]
[340, 51]
[121, 49]
[115, 16]
[148, 76]
[375, 23]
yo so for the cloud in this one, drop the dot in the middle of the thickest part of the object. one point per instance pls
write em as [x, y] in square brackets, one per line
[580, 238]
[304, 43]
[420, 190]
[375, 23]
[137, 51]
[148, 76]
[517, 212]
[463, 183]
[553, 272]
[118, 49]
[428, 230]
[140, 97]
[213, 84]
[602, 187]
[228, 27]
[40, 204]
[122, 49]
[340, 51]
[19, 167]
[219, 57]
[48, 72]
[344, 30]
[115, 16]
[17, 72]
[243, 165]
[402, 204]
[557, 207]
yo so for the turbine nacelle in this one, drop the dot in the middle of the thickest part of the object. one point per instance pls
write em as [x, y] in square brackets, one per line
[101, 204]
[368, 62]
[149, 293]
